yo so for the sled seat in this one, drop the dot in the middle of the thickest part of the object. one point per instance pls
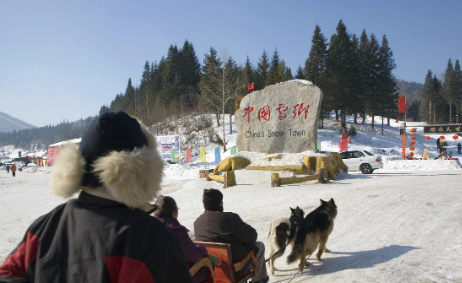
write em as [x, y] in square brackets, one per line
[224, 271]
[204, 262]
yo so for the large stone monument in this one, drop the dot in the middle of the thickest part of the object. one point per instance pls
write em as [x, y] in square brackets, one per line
[279, 118]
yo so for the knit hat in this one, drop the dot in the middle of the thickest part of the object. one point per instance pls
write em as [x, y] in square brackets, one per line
[212, 199]
[118, 154]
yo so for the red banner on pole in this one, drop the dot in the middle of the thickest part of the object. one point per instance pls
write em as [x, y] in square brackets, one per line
[188, 155]
[402, 104]
[250, 86]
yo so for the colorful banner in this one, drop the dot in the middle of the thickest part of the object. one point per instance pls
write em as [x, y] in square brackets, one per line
[203, 154]
[217, 154]
[318, 145]
[233, 150]
[188, 155]
[173, 156]
[165, 145]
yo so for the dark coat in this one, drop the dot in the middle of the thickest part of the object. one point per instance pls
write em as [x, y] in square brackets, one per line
[94, 239]
[192, 252]
[226, 227]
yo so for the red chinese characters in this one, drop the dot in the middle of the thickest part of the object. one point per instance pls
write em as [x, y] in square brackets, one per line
[300, 110]
[265, 113]
[282, 108]
[248, 110]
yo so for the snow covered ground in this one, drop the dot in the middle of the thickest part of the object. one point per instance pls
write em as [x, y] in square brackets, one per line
[399, 224]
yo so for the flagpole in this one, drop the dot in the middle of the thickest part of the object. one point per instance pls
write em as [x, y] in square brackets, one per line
[405, 107]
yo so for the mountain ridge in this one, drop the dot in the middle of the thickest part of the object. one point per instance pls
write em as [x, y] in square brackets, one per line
[9, 123]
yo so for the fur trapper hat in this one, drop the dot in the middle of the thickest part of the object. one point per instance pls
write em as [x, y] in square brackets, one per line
[117, 154]
[212, 199]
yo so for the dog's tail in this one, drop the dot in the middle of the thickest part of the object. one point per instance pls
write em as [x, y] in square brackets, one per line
[282, 231]
[300, 239]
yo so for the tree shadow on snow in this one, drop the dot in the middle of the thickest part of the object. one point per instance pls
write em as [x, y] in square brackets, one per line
[348, 260]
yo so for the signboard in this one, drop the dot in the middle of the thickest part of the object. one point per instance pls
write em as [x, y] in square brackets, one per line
[443, 129]
[280, 118]
[165, 145]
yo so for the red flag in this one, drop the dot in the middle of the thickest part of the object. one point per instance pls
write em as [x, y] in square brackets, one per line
[250, 86]
[402, 104]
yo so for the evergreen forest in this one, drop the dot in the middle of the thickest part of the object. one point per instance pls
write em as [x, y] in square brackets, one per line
[354, 72]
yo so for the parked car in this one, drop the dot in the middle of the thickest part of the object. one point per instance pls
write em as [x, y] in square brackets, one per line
[362, 160]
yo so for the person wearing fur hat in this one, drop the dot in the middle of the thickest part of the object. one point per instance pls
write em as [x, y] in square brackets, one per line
[214, 225]
[105, 234]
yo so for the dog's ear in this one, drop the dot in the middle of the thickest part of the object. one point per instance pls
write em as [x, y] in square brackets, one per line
[323, 201]
[332, 202]
[291, 209]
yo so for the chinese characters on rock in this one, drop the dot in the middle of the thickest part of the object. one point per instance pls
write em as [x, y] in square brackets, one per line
[265, 112]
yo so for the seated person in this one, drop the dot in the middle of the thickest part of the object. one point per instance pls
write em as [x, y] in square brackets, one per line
[214, 225]
[167, 213]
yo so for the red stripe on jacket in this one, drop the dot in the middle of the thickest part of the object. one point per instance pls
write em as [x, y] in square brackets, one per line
[123, 269]
[18, 262]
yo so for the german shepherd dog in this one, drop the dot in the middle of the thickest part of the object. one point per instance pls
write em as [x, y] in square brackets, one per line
[282, 231]
[313, 230]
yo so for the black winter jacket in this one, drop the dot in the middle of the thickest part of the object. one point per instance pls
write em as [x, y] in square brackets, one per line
[226, 227]
[93, 239]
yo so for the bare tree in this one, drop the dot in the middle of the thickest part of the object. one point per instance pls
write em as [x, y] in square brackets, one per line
[221, 87]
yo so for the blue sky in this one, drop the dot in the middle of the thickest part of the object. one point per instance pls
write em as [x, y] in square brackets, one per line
[62, 60]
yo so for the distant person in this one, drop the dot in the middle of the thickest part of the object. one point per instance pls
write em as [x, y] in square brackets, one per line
[167, 213]
[106, 234]
[459, 148]
[214, 225]
[438, 143]
[8, 169]
[13, 170]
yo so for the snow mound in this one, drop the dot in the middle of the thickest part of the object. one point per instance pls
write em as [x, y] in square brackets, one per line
[422, 165]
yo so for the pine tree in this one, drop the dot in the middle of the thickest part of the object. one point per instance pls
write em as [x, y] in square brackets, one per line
[362, 52]
[315, 69]
[370, 75]
[448, 90]
[315, 65]
[146, 73]
[189, 74]
[457, 88]
[388, 95]
[262, 71]
[425, 109]
[273, 76]
[300, 74]
[210, 90]
[341, 71]
[288, 74]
